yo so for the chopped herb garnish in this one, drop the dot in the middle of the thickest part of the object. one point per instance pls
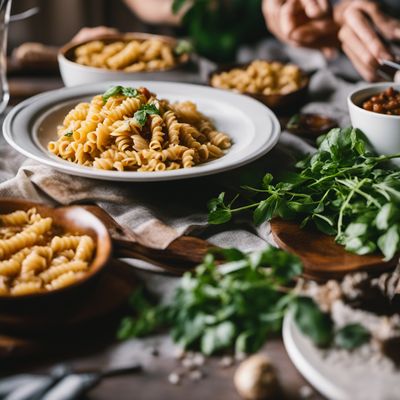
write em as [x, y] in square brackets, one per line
[145, 110]
[116, 90]
[68, 134]
[183, 47]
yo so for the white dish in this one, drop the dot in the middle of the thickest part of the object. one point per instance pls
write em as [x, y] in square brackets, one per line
[73, 73]
[383, 131]
[253, 127]
[340, 378]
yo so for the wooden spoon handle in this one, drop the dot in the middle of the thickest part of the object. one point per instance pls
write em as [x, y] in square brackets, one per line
[182, 254]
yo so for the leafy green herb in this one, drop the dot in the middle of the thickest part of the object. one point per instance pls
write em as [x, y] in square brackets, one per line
[351, 336]
[236, 305]
[183, 47]
[177, 5]
[145, 110]
[344, 189]
[116, 90]
[69, 134]
[294, 121]
[218, 28]
[149, 318]
[313, 322]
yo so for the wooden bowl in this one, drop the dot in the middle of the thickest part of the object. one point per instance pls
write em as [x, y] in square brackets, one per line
[76, 74]
[277, 102]
[69, 219]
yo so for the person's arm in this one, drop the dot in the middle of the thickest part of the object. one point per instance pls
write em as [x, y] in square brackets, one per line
[155, 11]
[361, 24]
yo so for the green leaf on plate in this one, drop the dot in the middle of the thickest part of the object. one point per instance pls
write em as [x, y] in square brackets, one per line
[351, 336]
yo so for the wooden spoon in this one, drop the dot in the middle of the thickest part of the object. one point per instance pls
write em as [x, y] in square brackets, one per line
[322, 258]
[182, 254]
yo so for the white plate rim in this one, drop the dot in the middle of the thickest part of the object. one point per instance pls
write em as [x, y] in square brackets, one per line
[84, 90]
[307, 369]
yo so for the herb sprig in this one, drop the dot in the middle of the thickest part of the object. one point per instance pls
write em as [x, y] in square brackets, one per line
[116, 90]
[235, 306]
[344, 189]
[144, 111]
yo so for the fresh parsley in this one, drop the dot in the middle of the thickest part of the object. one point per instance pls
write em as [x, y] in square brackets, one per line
[344, 189]
[116, 90]
[236, 305]
[69, 134]
[145, 110]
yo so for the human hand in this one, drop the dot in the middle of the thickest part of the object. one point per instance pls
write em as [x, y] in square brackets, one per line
[87, 34]
[305, 23]
[361, 24]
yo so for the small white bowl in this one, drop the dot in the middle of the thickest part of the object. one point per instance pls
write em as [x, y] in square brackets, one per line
[73, 73]
[383, 131]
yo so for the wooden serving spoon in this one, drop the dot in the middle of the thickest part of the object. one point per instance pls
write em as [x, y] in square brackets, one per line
[322, 258]
[181, 255]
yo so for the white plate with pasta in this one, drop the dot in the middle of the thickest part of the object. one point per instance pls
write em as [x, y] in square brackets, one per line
[141, 131]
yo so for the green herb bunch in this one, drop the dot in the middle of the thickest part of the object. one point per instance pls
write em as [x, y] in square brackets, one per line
[218, 28]
[236, 306]
[344, 189]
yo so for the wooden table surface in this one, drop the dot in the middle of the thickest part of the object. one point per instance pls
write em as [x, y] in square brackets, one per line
[152, 383]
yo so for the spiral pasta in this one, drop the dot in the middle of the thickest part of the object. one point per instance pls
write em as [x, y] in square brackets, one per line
[131, 55]
[261, 77]
[128, 129]
[33, 260]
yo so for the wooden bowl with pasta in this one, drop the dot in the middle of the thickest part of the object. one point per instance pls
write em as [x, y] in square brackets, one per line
[280, 86]
[122, 57]
[48, 255]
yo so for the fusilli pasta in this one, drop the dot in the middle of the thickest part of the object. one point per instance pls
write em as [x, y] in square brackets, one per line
[131, 130]
[33, 260]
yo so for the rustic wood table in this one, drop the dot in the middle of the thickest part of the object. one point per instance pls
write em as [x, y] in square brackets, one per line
[152, 383]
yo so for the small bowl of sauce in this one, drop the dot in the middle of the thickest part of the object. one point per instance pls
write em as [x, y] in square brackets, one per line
[375, 110]
[310, 125]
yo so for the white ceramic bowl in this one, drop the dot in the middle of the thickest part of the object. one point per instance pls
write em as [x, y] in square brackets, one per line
[74, 74]
[383, 131]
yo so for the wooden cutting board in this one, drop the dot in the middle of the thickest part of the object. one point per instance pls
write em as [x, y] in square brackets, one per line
[323, 259]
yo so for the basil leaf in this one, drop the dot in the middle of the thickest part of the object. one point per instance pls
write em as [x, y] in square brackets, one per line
[140, 117]
[145, 110]
[384, 215]
[219, 216]
[388, 242]
[351, 336]
[265, 210]
[318, 326]
[217, 337]
[129, 92]
[116, 90]
[113, 91]
[68, 134]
